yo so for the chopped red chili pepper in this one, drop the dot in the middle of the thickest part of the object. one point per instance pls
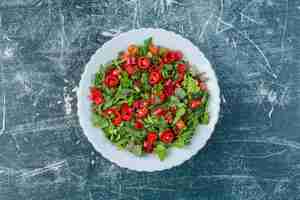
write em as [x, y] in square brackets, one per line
[167, 136]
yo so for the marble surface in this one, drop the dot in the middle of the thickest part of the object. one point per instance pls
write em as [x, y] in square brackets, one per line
[254, 47]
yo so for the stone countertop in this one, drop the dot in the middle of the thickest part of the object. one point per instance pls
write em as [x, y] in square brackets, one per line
[253, 45]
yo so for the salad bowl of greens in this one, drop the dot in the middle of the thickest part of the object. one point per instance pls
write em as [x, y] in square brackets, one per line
[148, 100]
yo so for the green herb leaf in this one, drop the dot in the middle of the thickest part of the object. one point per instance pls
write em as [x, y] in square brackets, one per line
[205, 118]
[165, 73]
[155, 60]
[179, 142]
[135, 135]
[135, 148]
[144, 81]
[108, 103]
[148, 41]
[192, 120]
[143, 50]
[125, 82]
[161, 151]
[107, 92]
[136, 76]
[190, 84]
[184, 138]
[145, 95]
[158, 88]
[111, 132]
[117, 62]
[122, 143]
[180, 93]
[173, 101]
[99, 121]
[122, 94]
[167, 70]
[168, 67]
[99, 76]
[154, 123]
[130, 100]
[179, 113]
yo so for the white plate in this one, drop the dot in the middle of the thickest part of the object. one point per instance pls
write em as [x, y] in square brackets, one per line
[110, 51]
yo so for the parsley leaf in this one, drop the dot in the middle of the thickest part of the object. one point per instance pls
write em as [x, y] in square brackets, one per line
[165, 73]
[112, 133]
[99, 76]
[108, 103]
[122, 94]
[157, 88]
[122, 143]
[99, 121]
[125, 82]
[155, 60]
[136, 76]
[153, 123]
[192, 120]
[179, 113]
[130, 100]
[173, 101]
[180, 93]
[204, 118]
[161, 151]
[134, 148]
[143, 50]
[144, 81]
[190, 84]
[184, 138]
[117, 62]
[167, 70]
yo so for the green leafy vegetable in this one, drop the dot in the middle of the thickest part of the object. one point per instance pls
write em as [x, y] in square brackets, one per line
[143, 50]
[167, 71]
[125, 81]
[112, 133]
[135, 149]
[122, 143]
[99, 76]
[161, 151]
[190, 84]
[144, 81]
[136, 76]
[174, 101]
[99, 121]
[192, 120]
[130, 100]
[153, 123]
[117, 62]
[179, 113]
[122, 94]
[180, 93]
[155, 60]
[205, 118]
[184, 138]
[157, 88]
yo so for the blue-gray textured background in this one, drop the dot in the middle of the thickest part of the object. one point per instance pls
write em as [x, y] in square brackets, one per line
[254, 47]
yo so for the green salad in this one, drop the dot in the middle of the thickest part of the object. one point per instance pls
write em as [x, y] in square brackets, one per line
[148, 100]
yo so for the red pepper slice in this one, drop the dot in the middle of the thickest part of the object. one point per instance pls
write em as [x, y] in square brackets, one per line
[143, 63]
[152, 137]
[167, 136]
[126, 112]
[195, 103]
